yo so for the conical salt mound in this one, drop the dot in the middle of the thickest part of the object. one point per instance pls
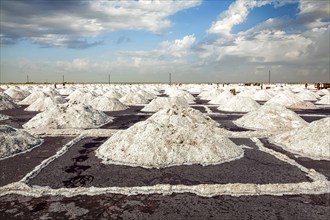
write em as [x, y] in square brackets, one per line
[133, 99]
[239, 104]
[173, 136]
[262, 95]
[16, 93]
[104, 103]
[271, 117]
[69, 115]
[222, 98]
[310, 141]
[6, 103]
[34, 96]
[44, 103]
[285, 98]
[164, 102]
[15, 140]
[303, 105]
[325, 100]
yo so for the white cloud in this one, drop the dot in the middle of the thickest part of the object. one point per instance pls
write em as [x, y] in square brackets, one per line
[44, 22]
[236, 14]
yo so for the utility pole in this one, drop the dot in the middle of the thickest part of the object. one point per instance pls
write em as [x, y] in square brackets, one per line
[27, 78]
[269, 77]
[109, 78]
[170, 78]
[62, 78]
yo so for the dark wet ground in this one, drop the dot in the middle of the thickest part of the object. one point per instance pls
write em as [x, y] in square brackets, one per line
[18, 116]
[175, 206]
[15, 168]
[80, 167]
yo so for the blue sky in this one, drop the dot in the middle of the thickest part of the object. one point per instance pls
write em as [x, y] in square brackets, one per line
[142, 41]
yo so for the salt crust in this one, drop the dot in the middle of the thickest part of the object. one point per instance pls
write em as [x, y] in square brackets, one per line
[3, 117]
[6, 103]
[239, 104]
[173, 136]
[44, 103]
[164, 102]
[14, 141]
[271, 117]
[69, 115]
[312, 140]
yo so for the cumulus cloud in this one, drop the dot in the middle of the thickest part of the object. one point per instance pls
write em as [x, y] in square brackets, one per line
[236, 14]
[63, 22]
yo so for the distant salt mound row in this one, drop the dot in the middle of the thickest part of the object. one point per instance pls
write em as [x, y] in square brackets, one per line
[34, 96]
[164, 102]
[69, 115]
[3, 117]
[271, 117]
[133, 99]
[325, 100]
[14, 141]
[103, 103]
[262, 95]
[239, 104]
[285, 98]
[222, 98]
[6, 103]
[16, 94]
[44, 103]
[303, 105]
[170, 137]
[309, 141]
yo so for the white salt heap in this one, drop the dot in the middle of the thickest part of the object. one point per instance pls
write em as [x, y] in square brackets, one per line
[113, 94]
[271, 117]
[325, 100]
[69, 115]
[307, 95]
[44, 103]
[303, 105]
[222, 98]
[239, 104]
[262, 95]
[313, 140]
[173, 136]
[285, 98]
[13, 141]
[33, 97]
[133, 99]
[164, 102]
[210, 94]
[104, 103]
[16, 93]
[7, 103]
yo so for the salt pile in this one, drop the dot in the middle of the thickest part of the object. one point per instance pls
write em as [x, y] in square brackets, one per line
[103, 103]
[323, 92]
[222, 98]
[325, 100]
[262, 95]
[133, 99]
[285, 98]
[307, 95]
[175, 92]
[69, 115]
[15, 140]
[6, 103]
[164, 102]
[271, 117]
[210, 94]
[16, 93]
[312, 140]
[113, 94]
[173, 136]
[33, 97]
[239, 104]
[44, 103]
[303, 105]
